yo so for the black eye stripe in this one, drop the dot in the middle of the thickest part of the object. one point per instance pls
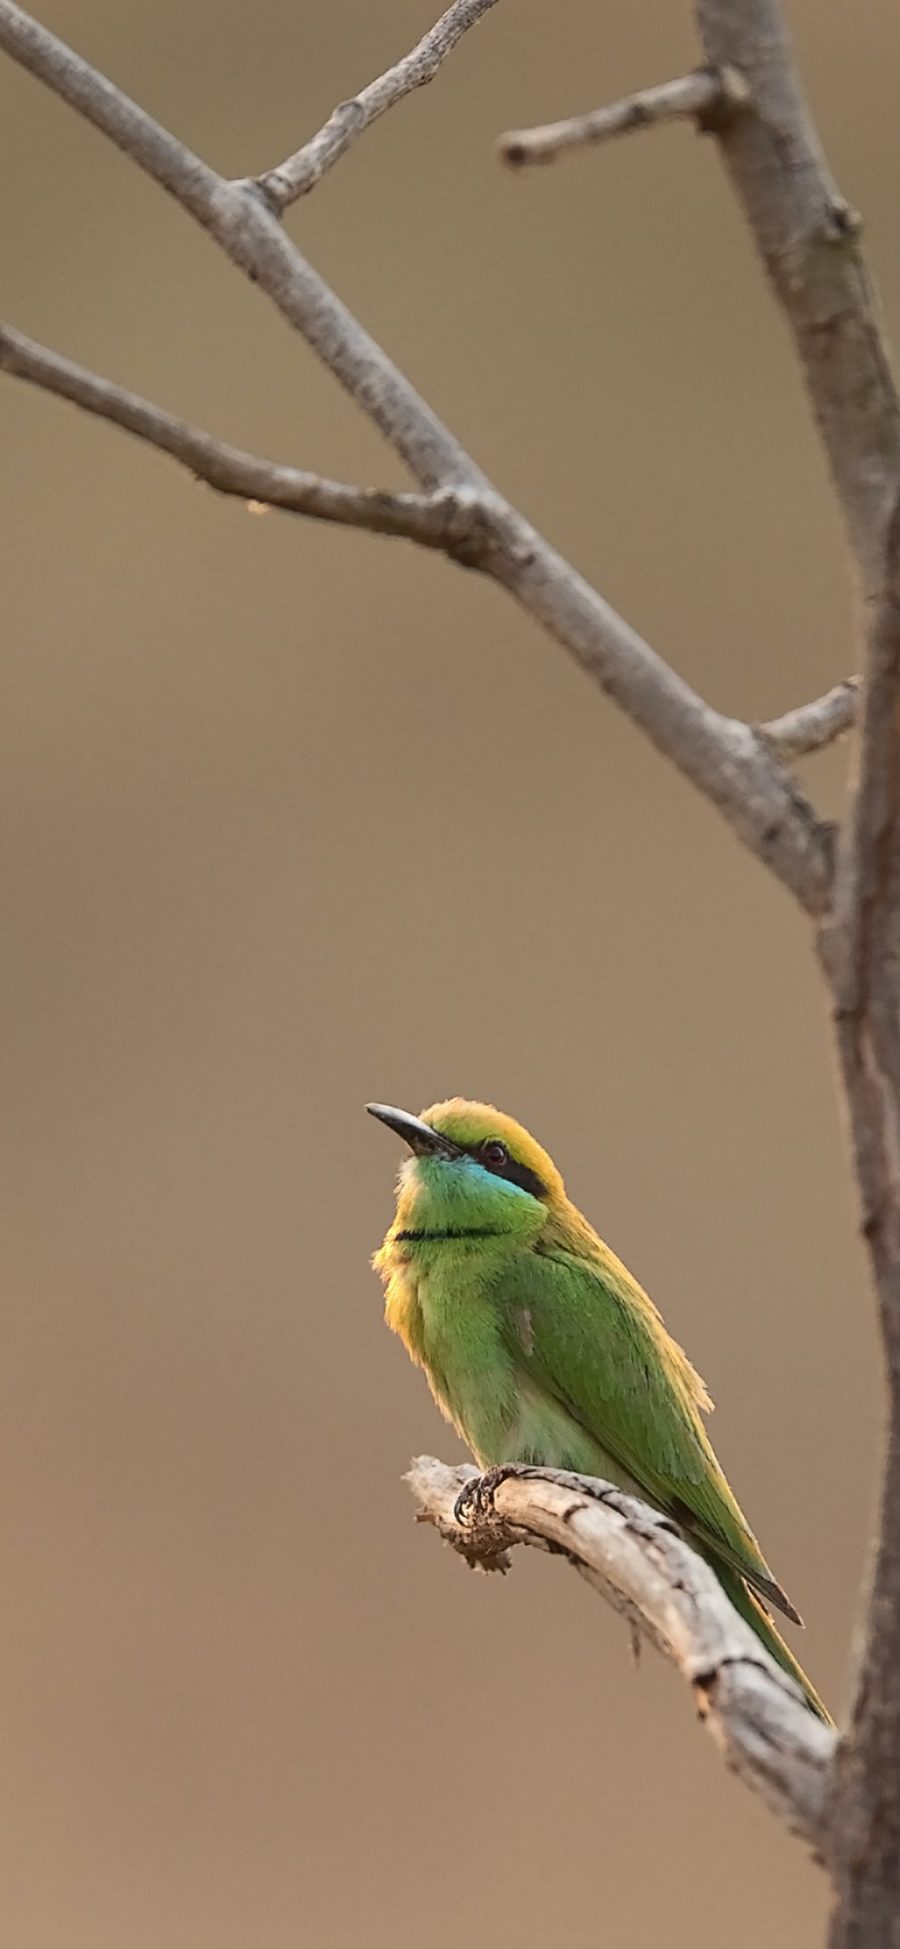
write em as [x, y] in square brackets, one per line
[526, 1179]
[511, 1170]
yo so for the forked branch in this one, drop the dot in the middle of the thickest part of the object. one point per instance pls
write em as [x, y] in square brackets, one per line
[749, 96]
[442, 519]
[728, 762]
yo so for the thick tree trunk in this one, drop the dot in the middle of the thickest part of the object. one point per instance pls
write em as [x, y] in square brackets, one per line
[860, 949]
[865, 1834]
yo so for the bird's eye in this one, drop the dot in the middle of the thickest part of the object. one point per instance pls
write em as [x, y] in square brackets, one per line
[495, 1154]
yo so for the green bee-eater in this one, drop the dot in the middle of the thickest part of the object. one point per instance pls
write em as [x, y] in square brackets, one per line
[540, 1347]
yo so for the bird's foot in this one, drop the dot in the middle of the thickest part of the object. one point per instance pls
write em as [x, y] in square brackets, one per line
[475, 1501]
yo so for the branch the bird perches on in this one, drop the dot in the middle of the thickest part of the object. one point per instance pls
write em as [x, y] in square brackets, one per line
[635, 1558]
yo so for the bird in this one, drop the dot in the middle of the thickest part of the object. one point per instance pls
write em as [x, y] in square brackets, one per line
[540, 1347]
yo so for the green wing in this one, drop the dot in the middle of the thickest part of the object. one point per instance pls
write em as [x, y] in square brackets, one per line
[589, 1336]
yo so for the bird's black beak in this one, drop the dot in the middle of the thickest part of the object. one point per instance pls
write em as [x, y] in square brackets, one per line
[422, 1140]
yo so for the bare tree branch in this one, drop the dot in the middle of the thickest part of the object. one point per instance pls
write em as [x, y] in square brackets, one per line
[810, 727]
[636, 1560]
[241, 222]
[111, 111]
[809, 240]
[704, 97]
[807, 235]
[300, 173]
[439, 520]
[729, 763]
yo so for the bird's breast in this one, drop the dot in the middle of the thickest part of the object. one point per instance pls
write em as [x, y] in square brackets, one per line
[402, 1306]
[443, 1313]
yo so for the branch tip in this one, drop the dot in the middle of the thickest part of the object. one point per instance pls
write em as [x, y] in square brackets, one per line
[812, 727]
[709, 97]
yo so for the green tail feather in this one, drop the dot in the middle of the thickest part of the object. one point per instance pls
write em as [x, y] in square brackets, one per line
[751, 1610]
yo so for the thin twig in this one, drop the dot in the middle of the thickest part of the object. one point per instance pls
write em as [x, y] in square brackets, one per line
[300, 172]
[703, 97]
[634, 1558]
[810, 727]
[438, 520]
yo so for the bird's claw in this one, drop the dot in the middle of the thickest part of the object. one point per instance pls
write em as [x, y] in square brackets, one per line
[475, 1501]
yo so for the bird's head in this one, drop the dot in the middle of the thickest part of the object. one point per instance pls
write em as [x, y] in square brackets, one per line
[473, 1170]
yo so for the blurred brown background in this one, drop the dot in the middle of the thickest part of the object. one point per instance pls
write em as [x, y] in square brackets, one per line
[295, 818]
